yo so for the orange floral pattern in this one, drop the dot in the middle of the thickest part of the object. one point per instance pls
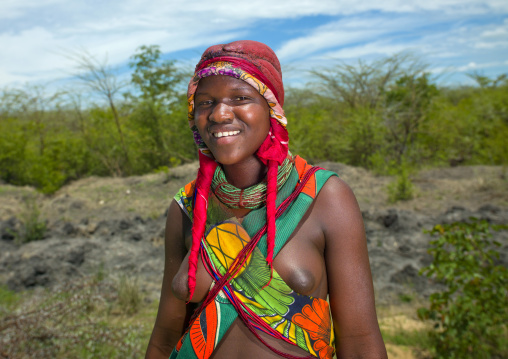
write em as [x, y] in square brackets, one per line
[316, 321]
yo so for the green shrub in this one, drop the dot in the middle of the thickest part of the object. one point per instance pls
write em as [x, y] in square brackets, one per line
[8, 299]
[402, 188]
[417, 339]
[33, 228]
[129, 295]
[470, 314]
[69, 323]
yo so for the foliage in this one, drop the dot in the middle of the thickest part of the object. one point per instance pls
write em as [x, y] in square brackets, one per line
[418, 339]
[156, 80]
[401, 189]
[382, 106]
[380, 115]
[129, 295]
[470, 314]
[363, 85]
[71, 322]
[8, 299]
[33, 228]
[408, 103]
[101, 80]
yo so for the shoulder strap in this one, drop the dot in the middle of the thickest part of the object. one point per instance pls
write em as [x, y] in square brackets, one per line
[289, 220]
[184, 198]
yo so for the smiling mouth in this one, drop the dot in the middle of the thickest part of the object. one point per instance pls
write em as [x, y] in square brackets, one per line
[225, 134]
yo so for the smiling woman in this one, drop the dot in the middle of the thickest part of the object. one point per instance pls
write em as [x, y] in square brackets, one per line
[259, 241]
[232, 118]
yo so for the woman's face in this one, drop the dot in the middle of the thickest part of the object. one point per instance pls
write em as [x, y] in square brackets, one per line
[232, 118]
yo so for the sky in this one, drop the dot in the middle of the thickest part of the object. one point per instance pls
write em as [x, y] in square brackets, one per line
[454, 37]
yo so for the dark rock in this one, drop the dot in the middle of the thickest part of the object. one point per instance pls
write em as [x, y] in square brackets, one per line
[490, 209]
[77, 205]
[105, 228]
[390, 219]
[404, 249]
[400, 220]
[124, 224]
[68, 229]
[406, 274]
[76, 257]
[9, 229]
[409, 276]
[136, 237]
[396, 242]
[139, 220]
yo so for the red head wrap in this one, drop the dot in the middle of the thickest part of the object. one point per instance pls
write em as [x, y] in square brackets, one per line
[256, 64]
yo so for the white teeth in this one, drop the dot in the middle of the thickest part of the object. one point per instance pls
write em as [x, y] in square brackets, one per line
[225, 134]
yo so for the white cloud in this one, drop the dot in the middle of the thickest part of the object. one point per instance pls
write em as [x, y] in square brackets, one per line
[374, 48]
[34, 33]
[10, 9]
[347, 32]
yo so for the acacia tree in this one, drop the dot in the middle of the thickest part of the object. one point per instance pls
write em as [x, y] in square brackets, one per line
[407, 106]
[383, 103]
[156, 79]
[156, 109]
[363, 85]
[33, 107]
[100, 78]
[487, 82]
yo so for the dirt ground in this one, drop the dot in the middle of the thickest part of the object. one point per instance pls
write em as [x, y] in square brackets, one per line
[436, 190]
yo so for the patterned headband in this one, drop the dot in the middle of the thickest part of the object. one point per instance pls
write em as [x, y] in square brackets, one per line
[227, 68]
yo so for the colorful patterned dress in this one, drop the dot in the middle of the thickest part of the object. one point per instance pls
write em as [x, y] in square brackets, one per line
[254, 292]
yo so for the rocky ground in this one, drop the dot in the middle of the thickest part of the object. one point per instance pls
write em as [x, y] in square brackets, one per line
[116, 225]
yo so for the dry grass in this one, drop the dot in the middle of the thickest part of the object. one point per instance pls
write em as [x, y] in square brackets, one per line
[404, 334]
[82, 320]
[149, 196]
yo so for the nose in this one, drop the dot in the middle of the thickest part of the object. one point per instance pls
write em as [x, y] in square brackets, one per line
[221, 113]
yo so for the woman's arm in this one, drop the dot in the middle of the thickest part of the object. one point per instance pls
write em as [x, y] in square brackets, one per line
[350, 288]
[172, 313]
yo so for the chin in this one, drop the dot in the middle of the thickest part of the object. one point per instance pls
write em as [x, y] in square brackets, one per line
[236, 160]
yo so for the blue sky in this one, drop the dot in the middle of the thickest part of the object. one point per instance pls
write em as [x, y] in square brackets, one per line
[453, 36]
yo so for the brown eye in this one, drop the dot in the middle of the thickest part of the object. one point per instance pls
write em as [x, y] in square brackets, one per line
[204, 103]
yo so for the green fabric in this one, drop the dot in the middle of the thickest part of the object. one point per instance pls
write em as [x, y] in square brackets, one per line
[256, 219]
[252, 223]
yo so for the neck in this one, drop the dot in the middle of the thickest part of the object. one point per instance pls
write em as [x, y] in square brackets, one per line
[245, 174]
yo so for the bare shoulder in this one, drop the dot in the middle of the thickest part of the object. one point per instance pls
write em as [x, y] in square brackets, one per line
[336, 187]
[350, 288]
[337, 206]
[177, 225]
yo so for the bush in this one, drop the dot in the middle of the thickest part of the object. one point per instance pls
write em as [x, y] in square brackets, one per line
[470, 315]
[33, 228]
[8, 299]
[402, 188]
[69, 323]
[129, 295]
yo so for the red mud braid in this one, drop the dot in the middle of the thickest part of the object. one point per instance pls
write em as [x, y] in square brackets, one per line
[204, 178]
[271, 196]
[272, 152]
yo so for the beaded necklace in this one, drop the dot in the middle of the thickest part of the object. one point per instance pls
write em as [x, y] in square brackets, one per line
[251, 197]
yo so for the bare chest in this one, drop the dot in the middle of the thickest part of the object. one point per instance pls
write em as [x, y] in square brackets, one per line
[300, 262]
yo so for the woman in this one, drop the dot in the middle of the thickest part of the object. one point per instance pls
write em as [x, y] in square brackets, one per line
[260, 239]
